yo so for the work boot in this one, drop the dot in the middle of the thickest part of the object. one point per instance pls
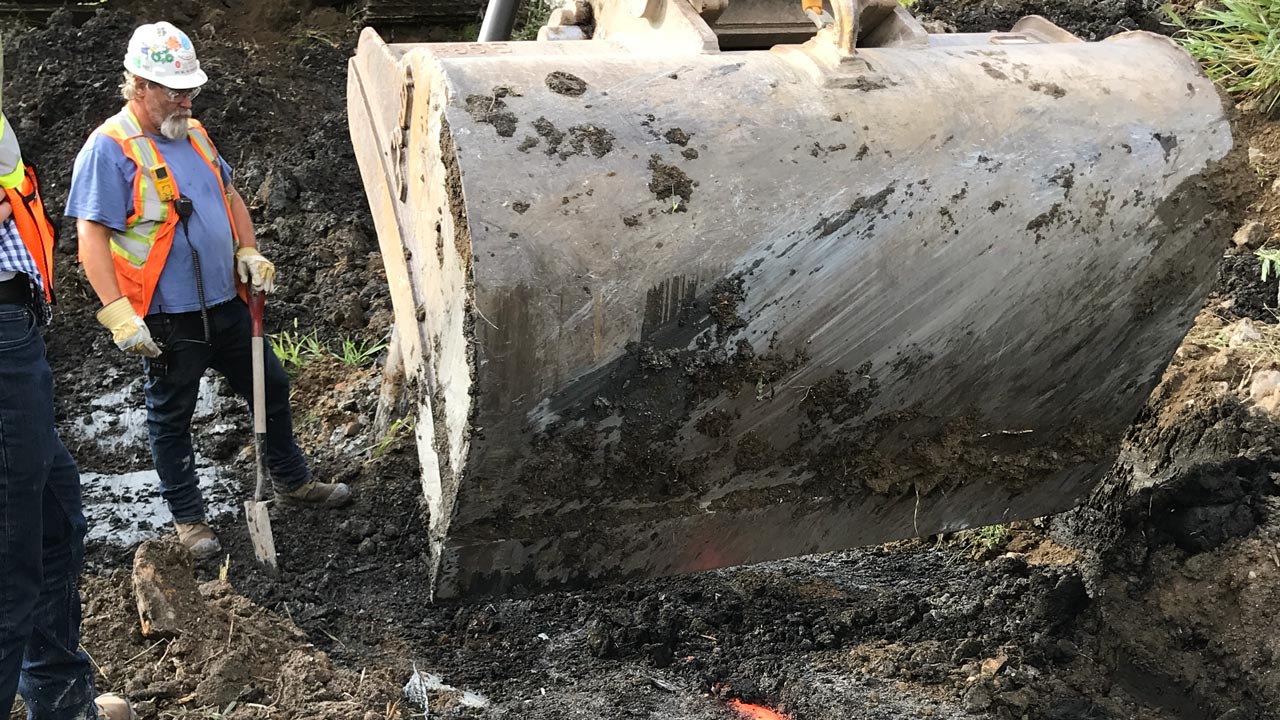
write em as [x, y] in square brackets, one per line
[316, 494]
[114, 707]
[199, 539]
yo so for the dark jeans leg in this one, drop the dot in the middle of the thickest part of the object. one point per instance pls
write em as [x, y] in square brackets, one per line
[233, 357]
[171, 390]
[57, 679]
[41, 537]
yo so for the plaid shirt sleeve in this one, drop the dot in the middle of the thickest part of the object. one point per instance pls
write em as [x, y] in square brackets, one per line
[15, 257]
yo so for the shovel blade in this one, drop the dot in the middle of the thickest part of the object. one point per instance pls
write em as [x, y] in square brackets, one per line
[264, 544]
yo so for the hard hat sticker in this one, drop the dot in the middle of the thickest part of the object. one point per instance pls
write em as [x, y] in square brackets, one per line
[164, 54]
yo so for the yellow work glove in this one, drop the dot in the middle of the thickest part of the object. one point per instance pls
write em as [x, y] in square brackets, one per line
[255, 271]
[127, 329]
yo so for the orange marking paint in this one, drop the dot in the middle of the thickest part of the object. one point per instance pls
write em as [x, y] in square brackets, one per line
[755, 712]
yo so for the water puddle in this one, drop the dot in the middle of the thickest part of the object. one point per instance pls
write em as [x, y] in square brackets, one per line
[125, 509]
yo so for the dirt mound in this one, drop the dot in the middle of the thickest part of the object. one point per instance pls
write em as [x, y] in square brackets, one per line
[214, 649]
[1240, 290]
[1181, 536]
[1089, 19]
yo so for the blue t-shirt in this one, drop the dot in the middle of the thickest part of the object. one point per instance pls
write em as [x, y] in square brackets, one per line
[102, 191]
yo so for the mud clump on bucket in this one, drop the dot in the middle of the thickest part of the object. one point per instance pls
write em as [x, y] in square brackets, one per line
[669, 181]
[1053, 90]
[676, 136]
[549, 132]
[563, 83]
[492, 110]
[726, 296]
[588, 138]
[579, 140]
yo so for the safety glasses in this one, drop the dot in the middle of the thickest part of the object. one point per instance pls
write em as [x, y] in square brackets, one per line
[176, 95]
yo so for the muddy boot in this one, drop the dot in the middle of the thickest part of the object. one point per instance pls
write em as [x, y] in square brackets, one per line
[114, 707]
[199, 539]
[316, 494]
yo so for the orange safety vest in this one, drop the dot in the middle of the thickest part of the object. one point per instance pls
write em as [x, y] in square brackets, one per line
[37, 232]
[140, 251]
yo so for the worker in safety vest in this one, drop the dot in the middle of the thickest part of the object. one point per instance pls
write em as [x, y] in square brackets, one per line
[163, 237]
[42, 522]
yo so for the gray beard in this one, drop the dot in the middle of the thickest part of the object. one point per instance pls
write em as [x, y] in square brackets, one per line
[174, 127]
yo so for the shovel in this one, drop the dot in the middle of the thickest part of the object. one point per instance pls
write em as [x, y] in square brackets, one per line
[255, 510]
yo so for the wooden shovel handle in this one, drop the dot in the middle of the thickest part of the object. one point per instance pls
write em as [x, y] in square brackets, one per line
[256, 303]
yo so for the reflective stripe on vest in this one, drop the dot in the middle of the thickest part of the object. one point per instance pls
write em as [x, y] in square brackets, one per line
[11, 168]
[37, 232]
[140, 251]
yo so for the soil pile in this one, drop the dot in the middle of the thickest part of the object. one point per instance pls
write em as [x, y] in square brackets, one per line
[215, 649]
[1181, 539]
[1088, 19]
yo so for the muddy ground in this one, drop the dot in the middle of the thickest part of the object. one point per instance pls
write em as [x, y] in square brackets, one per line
[1155, 601]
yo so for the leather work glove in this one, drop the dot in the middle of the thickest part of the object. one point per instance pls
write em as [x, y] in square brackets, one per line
[127, 329]
[255, 271]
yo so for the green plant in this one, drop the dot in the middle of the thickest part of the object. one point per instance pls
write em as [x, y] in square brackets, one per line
[295, 349]
[359, 354]
[1270, 258]
[1239, 45]
[397, 429]
[908, 3]
[980, 543]
[991, 537]
[531, 16]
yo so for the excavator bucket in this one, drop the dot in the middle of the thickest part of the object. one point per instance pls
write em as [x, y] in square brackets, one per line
[681, 287]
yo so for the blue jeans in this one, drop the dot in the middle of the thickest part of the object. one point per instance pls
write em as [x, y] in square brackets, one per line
[173, 385]
[42, 530]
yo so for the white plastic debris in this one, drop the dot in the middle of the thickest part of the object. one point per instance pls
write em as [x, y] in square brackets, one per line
[422, 684]
[415, 691]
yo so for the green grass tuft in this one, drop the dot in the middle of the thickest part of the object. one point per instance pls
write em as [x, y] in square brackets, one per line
[1238, 43]
[359, 354]
[295, 349]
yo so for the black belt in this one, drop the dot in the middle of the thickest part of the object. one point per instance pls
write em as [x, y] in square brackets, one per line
[16, 290]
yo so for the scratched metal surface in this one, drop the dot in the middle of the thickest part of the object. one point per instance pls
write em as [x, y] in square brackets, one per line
[957, 271]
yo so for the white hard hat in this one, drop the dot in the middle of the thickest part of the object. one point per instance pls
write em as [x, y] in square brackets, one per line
[164, 54]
